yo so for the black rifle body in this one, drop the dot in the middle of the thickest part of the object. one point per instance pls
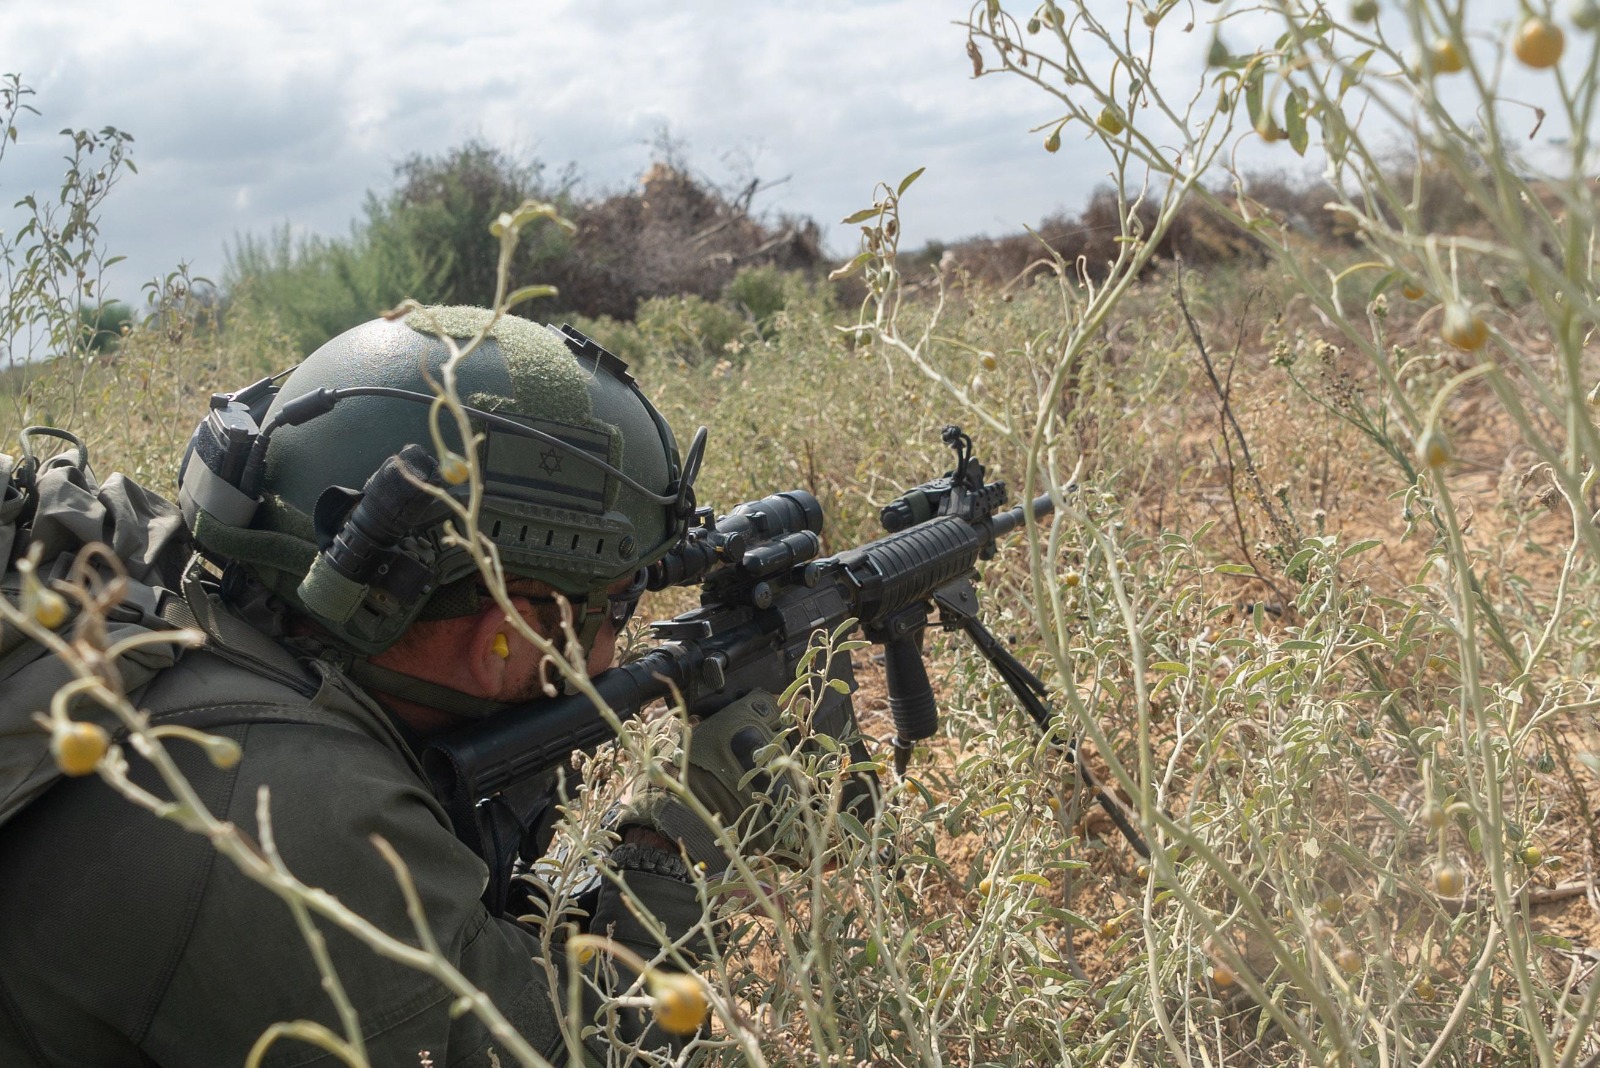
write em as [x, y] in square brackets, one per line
[499, 777]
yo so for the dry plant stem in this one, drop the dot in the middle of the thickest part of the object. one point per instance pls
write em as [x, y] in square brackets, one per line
[1161, 861]
[1583, 1030]
[1465, 1000]
[1230, 422]
[1491, 820]
[352, 1049]
[309, 1032]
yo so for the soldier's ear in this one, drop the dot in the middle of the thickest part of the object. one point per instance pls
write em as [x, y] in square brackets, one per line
[490, 646]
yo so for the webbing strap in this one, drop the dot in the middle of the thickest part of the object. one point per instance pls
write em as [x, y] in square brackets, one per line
[237, 642]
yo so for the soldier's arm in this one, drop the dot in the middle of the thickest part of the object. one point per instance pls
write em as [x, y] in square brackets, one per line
[246, 966]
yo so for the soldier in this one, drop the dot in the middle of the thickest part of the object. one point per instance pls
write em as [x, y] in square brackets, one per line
[342, 630]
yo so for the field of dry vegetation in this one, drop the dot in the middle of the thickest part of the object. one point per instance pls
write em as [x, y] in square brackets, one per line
[1320, 600]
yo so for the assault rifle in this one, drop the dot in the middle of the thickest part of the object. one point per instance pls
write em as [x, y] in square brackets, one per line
[765, 593]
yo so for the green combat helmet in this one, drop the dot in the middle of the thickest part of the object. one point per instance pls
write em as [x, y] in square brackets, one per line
[315, 486]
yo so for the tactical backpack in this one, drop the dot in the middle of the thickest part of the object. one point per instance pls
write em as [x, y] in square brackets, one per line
[54, 508]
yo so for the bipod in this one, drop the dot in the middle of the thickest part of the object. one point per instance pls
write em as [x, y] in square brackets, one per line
[958, 608]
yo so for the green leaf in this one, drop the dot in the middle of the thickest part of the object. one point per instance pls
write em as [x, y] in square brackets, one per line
[1382, 285]
[850, 268]
[916, 784]
[1294, 122]
[1360, 547]
[1233, 569]
[529, 293]
[1352, 73]
[790, 691]
[1254, 98]
[1394, 815]
[862, 216]
[854, 827]
[905, 183]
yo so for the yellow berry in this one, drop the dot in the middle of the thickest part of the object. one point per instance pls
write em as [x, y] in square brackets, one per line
[680, 1003]
[1412, 291]
[1538, 43]
[1434, 450]
[224, 752]
[49, 609]
[453, 469]
[1448, 880]
[1424, 989]
[1433, 815]
[1364, 10]
[1112, 927]
[1110, 120]
[986, 886]
[1071, 580]
[1463, 329]
[1532, 856]
[1053, 142]
[1222, 975]
[989, 362]
[1445, 57]
[77, 747]
[1348, 960]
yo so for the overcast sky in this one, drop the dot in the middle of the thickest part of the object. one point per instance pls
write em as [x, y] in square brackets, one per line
[255, 113]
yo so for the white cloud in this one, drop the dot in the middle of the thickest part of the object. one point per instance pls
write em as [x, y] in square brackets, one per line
[255, 113]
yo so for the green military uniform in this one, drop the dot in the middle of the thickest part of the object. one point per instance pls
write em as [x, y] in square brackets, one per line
[127, 941]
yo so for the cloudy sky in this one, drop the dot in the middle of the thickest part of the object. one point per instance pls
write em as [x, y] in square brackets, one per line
[255, 113]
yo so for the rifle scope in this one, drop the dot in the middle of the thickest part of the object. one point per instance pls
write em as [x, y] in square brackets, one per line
[758, 538]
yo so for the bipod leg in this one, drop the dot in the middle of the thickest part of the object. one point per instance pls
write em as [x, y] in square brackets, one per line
[1031, 691]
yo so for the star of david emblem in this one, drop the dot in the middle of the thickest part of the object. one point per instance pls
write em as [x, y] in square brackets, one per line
[550, 461]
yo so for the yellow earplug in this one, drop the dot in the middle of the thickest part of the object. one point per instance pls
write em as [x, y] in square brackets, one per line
[502, 648]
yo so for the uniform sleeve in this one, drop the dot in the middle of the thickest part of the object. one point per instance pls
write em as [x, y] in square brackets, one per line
[331, 791]
[244, 964]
